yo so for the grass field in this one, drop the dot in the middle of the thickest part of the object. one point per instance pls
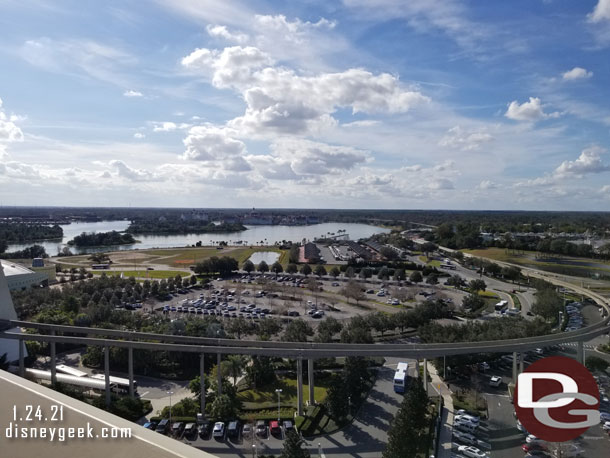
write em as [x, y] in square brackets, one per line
[430, 262]
[267, 397]
[158, 274]
[566, 265]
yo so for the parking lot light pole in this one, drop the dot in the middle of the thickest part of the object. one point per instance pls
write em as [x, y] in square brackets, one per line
[279, 393]
[254, 454]
[170, 407]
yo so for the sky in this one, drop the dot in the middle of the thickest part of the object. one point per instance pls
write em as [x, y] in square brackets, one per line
[384, 104]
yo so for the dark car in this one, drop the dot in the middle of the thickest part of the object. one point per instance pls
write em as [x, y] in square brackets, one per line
[177, 429]
[205, 429]
[233, 430]
[163, 426]
[190, 431]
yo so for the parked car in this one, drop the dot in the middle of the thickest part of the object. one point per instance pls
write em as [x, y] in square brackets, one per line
[246, 431]
[163, 426]
[261, 428]
[150, 425]
[233, 430]
[219, 430]
[177, 429]
[465, 438]
[495, 381]
[288, 426]
[274, 427]
[190, 430]
[205, 429]
[471, 452]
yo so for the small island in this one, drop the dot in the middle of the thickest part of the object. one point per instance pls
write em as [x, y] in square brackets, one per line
[167, 227]
[102, 239]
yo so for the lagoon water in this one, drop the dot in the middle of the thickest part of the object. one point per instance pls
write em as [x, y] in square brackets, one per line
[254, 235]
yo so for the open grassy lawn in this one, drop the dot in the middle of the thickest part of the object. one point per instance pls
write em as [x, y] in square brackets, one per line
[430, 262]
[267, 397]
[158, 274]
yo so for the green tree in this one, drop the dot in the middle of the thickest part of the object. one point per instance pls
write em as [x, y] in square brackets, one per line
[234, 365]
[223, 407]
[596, 364]
[352, 290]
[473, 302]
[432, 279]
[291, 268]
[306, 269]
[320, 270]
[327, 329]
[400, 275]
[297, 331]
[334, 272]
[263, 267]
[548, 304]
[336, 398]
[416, 276]
[248, 266]
[293, 446]
[277, 267]
[477, 285]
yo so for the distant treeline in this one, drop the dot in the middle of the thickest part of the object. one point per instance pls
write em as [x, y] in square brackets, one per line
[147, 226]
[102, 239]
[22, 232]
[34, 251]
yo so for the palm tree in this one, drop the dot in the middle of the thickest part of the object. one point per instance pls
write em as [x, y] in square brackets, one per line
[234, 366]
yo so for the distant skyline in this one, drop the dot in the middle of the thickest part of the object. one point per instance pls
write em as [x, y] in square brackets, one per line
[386, 104]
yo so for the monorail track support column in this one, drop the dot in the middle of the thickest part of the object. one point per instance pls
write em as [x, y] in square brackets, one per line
[310, 380]
[580, 352]
[21, 358]
[53, 363]
[300, 386]
[130, 371]
[202, 381]
[107, 373]
[521, 362]
[425, 375]
[515, 355]
[219, 373]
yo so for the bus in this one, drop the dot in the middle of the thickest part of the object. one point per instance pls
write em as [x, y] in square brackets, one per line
[121, 384]
[400, 377]
[70, 370]
[500, 306]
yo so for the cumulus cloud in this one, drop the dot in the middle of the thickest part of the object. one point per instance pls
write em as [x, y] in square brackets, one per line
[601, 12]
[528, 111]
[293, 158]
[124, 171]
[221, 31]
[169, 126]
[441, 183]
[139, 135]
[132, 93]
[577, 73]
[209, 143]
[278, 100]
[458, 138]
[487, 184]
[588, 162]
[9, 131]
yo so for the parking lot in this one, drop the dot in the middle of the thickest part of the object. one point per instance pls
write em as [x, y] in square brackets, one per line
[501, 430]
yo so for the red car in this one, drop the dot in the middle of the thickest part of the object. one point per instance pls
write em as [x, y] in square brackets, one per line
[529, 447]
[274, 427]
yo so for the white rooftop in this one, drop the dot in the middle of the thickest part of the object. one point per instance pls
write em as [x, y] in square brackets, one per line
[11, 268]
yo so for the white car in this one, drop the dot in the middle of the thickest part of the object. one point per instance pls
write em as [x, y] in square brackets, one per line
[465, 438]
[606, 426]
[471, 452]
[462, 415]
[495, 381]
[219, 429]
[604, 416]
[466, 419]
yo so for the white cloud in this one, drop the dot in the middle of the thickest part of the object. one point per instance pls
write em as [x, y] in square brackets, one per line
[131, 93]
[362, 123]
[601, 11]
[169, 126]
[124, 171]
[139, 135]
[588, 162]
[528, 111]
[9, 131]
[221, 31]
[487, 184]
[577, 73]
[441, 183]
[456, 137]
[211, 143]
[281, 101]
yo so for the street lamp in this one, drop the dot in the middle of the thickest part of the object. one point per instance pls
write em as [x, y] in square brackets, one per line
[170, 407]
[279, 393]
[254, 454]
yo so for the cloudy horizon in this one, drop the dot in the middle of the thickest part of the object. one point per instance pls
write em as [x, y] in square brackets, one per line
[359, 104]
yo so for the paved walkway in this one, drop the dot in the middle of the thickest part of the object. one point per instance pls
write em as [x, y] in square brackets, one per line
[444, 450]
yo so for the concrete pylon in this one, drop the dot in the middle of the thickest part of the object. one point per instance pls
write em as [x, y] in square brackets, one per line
[7, 312]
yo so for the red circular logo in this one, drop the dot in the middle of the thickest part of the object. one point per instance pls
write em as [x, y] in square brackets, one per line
[556, 399]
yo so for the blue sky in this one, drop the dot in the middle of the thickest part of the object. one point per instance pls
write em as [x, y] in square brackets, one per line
[352, 104]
